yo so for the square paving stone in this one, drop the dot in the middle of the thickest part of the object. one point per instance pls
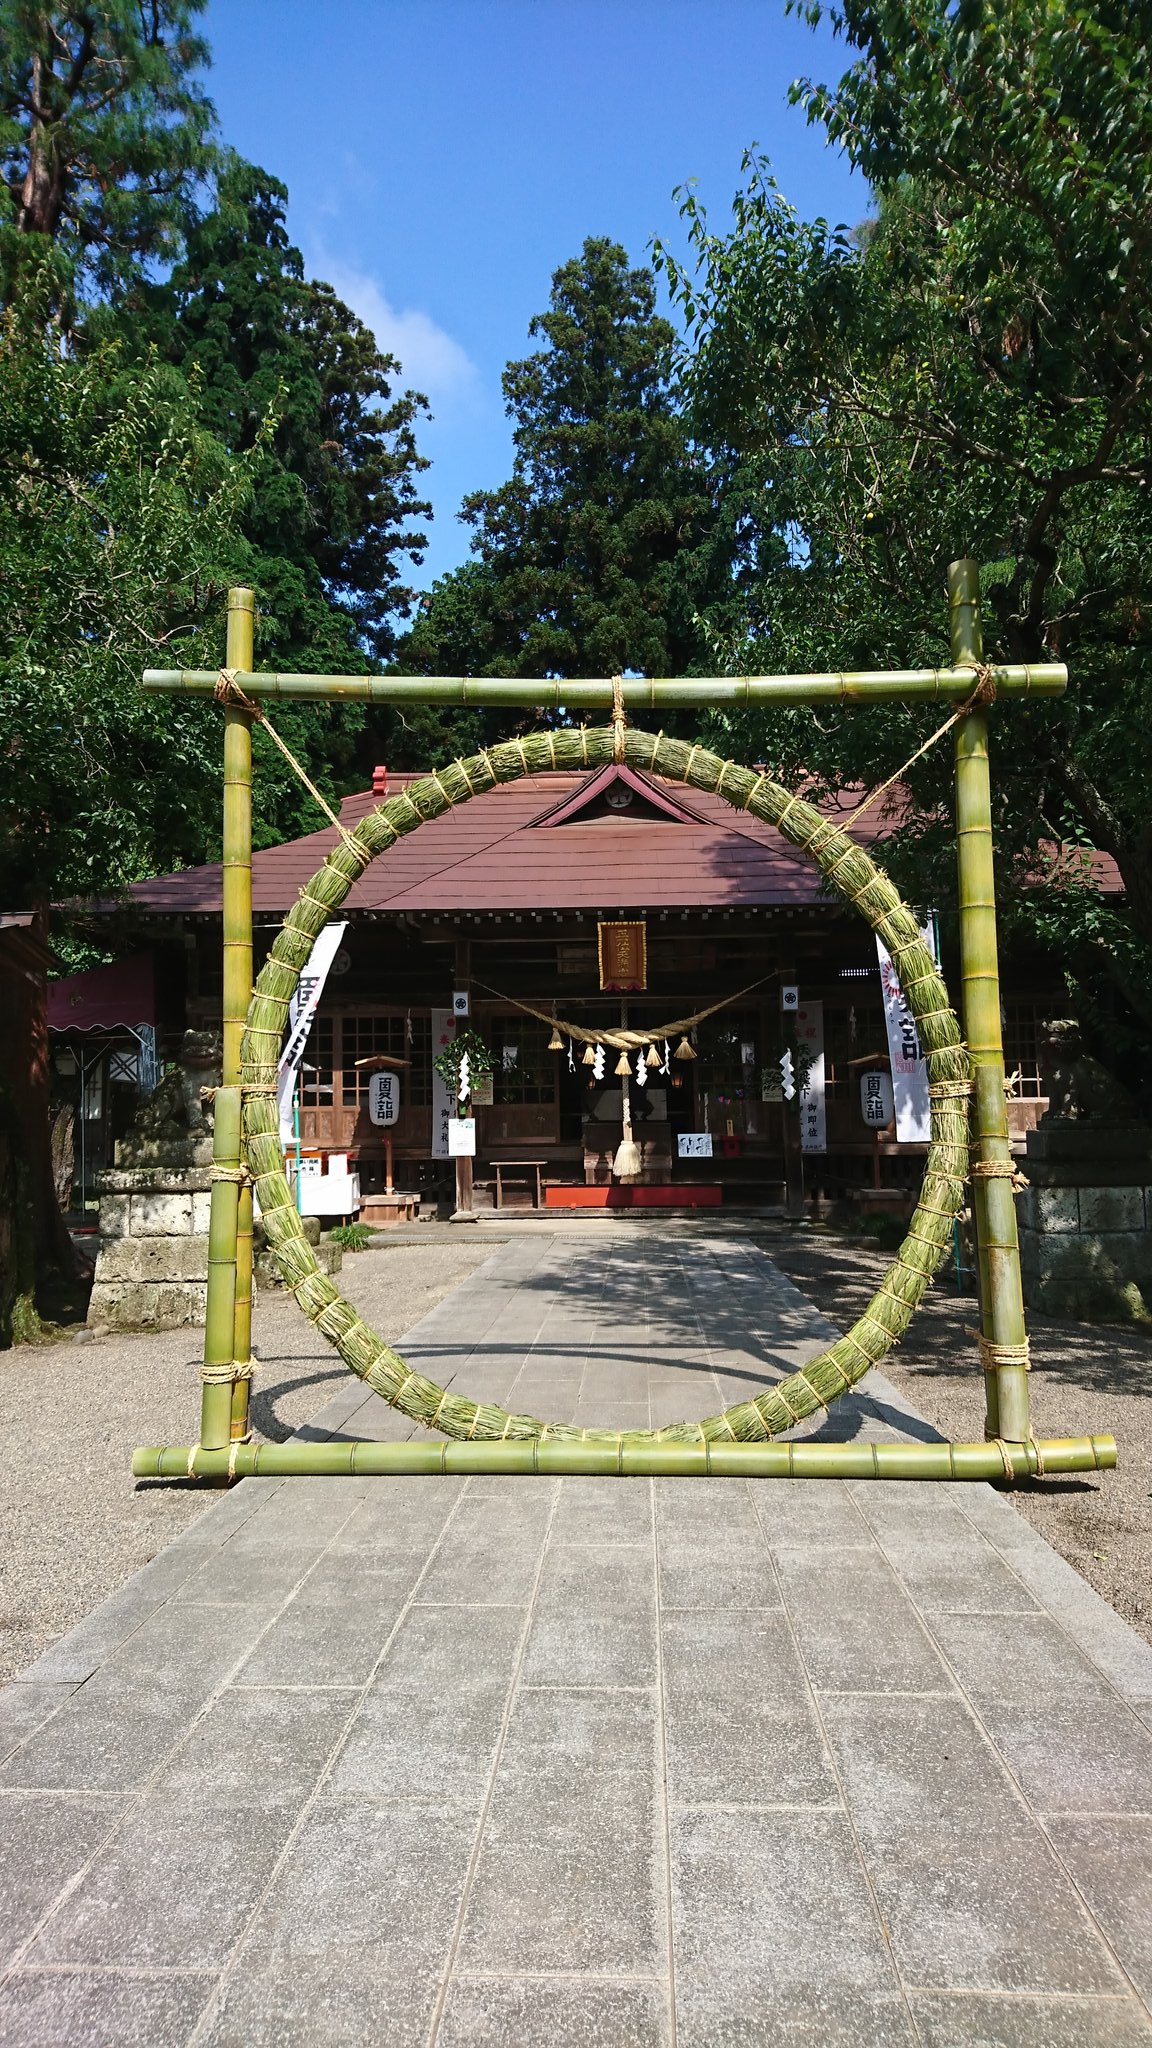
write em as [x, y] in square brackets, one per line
[423, 1745]
[910, 1762]
[1076, 1755]
[24, 1708]
[374, 1887]
[688, 1509]
[172, 1890]
[601, 1511]
[985, 1909]
[594, 1621]
[565, 2012]
[253, 1746]
[740, 1725]
[47, 2009]
[812, 1514]
[771, 1908]
[44, 1841]
[109, 1737]
[741, 2014]
[1026, 1657]
[731, 1573]
[964, 1576]
[451, 1649]
[320, 2005]
[568, 1882]
[982, 2022]
[484, 1570]
[562, 1742]
[332, 1642]
[1111, 1862]
[187, 1646]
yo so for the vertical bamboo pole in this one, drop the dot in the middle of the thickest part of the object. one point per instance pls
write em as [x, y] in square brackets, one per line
[238, 962]
[1001, 1295]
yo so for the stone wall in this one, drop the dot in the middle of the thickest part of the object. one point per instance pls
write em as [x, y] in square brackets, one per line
[1086, 1221]
[152, 1267]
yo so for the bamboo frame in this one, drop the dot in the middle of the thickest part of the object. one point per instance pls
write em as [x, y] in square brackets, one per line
[550, 1458]
[1001, 1291]
[716, 1448]
[653, 693]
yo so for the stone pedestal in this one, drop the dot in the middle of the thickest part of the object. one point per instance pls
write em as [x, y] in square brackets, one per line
[152, 1266]
[1086, 1220]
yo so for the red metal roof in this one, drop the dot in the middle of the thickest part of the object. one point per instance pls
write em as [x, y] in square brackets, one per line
[490, 855]
[104, 997]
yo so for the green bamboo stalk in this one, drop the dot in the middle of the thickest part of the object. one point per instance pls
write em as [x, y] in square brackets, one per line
[238, 960]
[655, 693]
[1001, 1293]
[635, 1461]
[220, 1314]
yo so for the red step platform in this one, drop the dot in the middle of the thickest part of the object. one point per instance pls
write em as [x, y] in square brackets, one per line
[631, 1196]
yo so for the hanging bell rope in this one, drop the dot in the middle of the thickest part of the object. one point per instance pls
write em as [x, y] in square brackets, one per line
[619, 1036]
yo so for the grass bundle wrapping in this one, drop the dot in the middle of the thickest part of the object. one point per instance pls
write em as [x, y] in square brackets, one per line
[847, 869]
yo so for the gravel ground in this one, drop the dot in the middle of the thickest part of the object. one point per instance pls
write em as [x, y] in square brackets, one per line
[1086, 1379]
[73, 1526]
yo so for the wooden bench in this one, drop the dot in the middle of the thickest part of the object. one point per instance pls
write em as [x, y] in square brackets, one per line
[524, 1167]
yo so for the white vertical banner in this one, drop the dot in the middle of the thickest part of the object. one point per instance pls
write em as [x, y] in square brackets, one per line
[301, 1017]
[443, 1100]
[909, 1073]
[813, 1116]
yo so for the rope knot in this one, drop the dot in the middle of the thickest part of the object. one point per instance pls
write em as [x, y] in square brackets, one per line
[618, 718]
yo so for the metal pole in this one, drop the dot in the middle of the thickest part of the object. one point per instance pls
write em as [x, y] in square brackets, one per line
[365, 1459]
[994, 1207]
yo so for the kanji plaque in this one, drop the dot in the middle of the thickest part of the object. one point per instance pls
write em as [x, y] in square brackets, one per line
[623, 955]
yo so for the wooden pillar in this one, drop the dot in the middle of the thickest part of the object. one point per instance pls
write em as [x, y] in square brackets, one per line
[993, 1203]
[464, 1211]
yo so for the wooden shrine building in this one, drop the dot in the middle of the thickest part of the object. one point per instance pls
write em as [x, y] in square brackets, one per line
[501, 900]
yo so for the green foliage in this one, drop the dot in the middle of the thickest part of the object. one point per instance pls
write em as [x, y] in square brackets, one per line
[447, 1060]
[597, 553]
[352, 1237]
[118, 517]
[104, 134]
[965, 374]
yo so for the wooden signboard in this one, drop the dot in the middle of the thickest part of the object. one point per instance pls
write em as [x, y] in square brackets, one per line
[623, 955]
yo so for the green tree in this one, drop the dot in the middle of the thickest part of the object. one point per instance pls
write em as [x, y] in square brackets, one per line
[118, 535]
[330, 515]
[104, 132]
[597, 553]
[968, 373]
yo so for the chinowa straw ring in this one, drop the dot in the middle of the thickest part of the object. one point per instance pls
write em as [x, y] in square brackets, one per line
[849, 872]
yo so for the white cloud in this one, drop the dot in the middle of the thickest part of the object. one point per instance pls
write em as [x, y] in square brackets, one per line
[432, 361]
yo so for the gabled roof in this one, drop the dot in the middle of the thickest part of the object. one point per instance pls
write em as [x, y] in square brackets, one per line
[489, 855]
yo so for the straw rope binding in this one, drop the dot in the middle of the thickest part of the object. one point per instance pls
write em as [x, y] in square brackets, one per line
[856, 878]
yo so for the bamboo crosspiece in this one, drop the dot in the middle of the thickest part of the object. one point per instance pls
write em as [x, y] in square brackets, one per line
[722, 1444]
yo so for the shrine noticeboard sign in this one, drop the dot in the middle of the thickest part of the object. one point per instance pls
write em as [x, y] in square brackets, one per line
[623, 955]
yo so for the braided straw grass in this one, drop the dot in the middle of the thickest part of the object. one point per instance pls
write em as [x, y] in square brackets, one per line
[846, 868]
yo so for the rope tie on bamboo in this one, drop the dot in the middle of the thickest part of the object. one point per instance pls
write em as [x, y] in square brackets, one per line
[618, 719]
[1000, 1169]
[983, 693]
[239, 1174]
[993, 1355]
[193, 1453]
[259, 1087]
[228, 691]
[947, 1091]
[218, 1375]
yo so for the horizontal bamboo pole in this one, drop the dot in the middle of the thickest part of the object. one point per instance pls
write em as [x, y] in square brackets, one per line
[652, 693]
[634, 1461]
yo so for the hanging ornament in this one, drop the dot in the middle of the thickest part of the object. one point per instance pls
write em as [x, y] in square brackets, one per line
[652, 1057]
[641, 1071]
[684, 1051]
[598, 1064]
[408, 1029]
[555, 1043]
[667, 1058]
[589, 1055]
[464, 1079]
[622, 1066]
[571, 1057]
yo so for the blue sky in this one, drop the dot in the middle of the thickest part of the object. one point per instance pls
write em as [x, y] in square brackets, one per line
[444, 157]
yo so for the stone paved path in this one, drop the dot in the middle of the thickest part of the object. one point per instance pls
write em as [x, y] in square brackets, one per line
[579, 1762]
